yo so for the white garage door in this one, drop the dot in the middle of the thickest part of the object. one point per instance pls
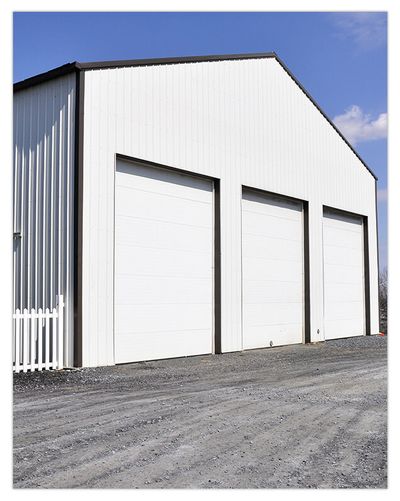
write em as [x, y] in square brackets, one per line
[343, 244]
[272, 270]
[163, 264]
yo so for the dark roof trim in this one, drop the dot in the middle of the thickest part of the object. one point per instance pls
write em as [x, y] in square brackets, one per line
[48, 75]
[323, 114]
[173, 60]
[98, 65]
[75, 67]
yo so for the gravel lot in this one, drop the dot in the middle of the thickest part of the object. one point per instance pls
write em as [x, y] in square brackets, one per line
[296, 416]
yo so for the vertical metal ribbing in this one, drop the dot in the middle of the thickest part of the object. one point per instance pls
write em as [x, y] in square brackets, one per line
[56, 208]
[44, 204]
[29, 211]
[60, 225]
[39, 227]
[23, 227]
[62, 204]
[19, 198]
[28, 208]
[42, 208]
[56, 170]
[15, 206]
[68, 219]
[37, 197]
[51, 212]
[78, 202]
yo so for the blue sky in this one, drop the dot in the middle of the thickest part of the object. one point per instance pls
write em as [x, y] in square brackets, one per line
[340, 58]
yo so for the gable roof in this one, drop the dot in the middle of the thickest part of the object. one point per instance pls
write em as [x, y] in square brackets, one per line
[76, 67]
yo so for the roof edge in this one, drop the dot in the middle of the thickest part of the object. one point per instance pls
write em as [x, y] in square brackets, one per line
[97, 65]
[279, 60]
[60, 71]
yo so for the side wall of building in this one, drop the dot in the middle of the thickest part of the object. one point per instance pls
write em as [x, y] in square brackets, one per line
[43, 215]
[245, 122]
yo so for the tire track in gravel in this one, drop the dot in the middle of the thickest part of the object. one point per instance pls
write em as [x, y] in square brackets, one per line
[298, 416]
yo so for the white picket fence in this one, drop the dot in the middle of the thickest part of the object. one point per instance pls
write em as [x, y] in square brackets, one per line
[38, 338]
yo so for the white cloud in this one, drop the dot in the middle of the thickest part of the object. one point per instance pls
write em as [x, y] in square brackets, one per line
[366, 29]
[357, 126]
[382, 195]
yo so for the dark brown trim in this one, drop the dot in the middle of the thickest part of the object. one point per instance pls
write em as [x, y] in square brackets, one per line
[75, 66]
[273, 194]
[377, 247]
[217, 268]
[342, 211]
[367, 281]
[60, 71]
[149, 163]
[78, 216]
[323, 114]
[96, 65]
[307, 299]
[217, 234]
[367, 278]
[376, 223]
[306, 253]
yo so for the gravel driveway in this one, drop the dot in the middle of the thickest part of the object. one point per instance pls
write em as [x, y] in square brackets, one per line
[296, 416]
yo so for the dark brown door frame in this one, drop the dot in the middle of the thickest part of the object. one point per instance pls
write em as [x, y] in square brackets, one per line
[306, 253]
[367, 285]
[217, 235]
[78, 216]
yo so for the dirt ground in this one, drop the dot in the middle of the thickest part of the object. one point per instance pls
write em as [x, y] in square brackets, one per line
[296, 416]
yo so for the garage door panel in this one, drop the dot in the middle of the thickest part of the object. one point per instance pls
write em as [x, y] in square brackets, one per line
[163, 299]
[261, 291]
[344, 289]
[165, 344]
[342, 292]
[160, 290]
[259, 246]
[162, 317]
[343, 256]
[337, 219]
[164, 262]
[287, 230]
[342, 310]
[145, 205]
[337, 274]
[272, 270]
[162, 181]
[347, 328]
[278, 335]
[276, 313]
[270, 204]
[338, 238]
[147, 233]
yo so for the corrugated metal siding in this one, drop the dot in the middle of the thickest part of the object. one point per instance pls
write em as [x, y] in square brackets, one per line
[245, 122]
[43, 198]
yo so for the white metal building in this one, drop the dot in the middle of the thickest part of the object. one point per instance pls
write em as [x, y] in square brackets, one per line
[188, 206]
